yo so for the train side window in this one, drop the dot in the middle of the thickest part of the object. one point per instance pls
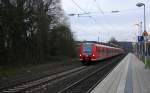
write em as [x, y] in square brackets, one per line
[101, 50]
[97, 49]
[104, 50]
[107, 50]
[110, 51]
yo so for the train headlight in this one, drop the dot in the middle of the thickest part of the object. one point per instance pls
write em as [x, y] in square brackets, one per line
[93, 55]
[80, 55]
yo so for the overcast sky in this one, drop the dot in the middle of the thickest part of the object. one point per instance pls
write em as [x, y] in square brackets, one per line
[103, 23]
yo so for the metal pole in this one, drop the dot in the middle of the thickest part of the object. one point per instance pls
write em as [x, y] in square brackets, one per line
[144, 19]
[145, 39]
[139, 52]
[141, 28]
[145, 56]
[140, 43]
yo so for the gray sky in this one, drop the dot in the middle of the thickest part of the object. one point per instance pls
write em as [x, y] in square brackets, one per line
[103, 22]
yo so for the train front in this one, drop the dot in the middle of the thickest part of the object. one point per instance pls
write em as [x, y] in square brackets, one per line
[87, 53]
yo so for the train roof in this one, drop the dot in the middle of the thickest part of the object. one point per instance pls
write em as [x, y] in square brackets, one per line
[101, 44]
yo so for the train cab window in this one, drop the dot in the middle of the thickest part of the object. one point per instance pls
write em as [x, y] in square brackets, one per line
[87, 48]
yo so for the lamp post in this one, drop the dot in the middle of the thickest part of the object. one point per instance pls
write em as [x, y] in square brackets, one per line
[140, 5]
[145, 34]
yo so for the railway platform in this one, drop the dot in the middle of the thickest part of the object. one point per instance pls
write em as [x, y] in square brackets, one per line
[129, 76]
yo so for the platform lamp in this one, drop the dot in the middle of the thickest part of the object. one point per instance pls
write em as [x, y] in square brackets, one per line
[145, 34]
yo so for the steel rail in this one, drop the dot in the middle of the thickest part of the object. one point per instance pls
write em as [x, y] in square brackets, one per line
[27, 85]
[83, 79]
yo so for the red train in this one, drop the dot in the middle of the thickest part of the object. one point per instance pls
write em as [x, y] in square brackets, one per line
[94, 51]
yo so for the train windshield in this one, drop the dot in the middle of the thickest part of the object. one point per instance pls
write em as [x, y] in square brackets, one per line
[87, 48]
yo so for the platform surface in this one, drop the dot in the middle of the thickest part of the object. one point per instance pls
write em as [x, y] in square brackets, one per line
[129, 76]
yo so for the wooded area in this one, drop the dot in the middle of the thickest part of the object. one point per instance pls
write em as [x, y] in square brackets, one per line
[33, 31]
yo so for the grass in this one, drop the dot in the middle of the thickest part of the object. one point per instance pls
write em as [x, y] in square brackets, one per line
[148, 62]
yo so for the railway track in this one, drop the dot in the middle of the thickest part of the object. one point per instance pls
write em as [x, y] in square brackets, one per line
[86, 84]
[36, 86]
[21, 88]
[61, 84]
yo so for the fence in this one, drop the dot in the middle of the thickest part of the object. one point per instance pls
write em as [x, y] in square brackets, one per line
[140, 49]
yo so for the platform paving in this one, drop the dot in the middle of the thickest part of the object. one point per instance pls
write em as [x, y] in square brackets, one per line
[129, 76]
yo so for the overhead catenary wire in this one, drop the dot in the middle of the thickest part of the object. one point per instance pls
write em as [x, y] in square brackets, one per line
[114, 11]
[84, 11]
[98, 6]
[102, 12]
[87, 13]
[118, 11]
[106, 20]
